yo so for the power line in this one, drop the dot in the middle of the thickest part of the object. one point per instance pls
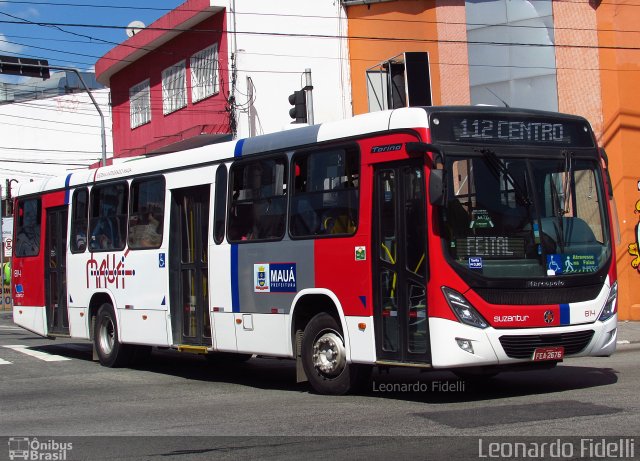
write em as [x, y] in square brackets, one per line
[59, 27]
[34, 149]
[27, 172]
[49, 121]
[82, 133]
[329, 36]
[42, 162]
[149, 8]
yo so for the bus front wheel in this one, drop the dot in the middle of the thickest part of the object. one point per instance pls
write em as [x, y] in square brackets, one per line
[324, 358]
[111, 352]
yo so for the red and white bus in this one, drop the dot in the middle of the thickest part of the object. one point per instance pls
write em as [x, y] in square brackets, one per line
[475, 239]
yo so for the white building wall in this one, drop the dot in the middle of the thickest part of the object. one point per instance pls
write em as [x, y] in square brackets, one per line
[275, 42]
[43, 137]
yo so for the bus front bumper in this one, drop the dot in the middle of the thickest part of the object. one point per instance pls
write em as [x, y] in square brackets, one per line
[458, 345]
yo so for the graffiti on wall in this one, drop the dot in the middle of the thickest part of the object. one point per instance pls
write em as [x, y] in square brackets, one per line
[634, 248]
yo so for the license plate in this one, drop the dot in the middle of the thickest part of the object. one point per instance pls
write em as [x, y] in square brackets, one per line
[548, 353]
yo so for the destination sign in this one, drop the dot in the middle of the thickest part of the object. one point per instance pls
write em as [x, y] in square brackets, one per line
[502, 129]
[490, 247]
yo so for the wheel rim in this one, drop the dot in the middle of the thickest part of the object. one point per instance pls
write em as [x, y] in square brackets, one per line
[107, 335]
[329, 355]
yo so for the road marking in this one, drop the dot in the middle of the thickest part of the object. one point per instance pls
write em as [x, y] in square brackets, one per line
[2, 327]
[38, 354]
[4, 362]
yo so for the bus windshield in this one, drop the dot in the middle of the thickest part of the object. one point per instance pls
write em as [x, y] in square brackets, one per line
[514, 216]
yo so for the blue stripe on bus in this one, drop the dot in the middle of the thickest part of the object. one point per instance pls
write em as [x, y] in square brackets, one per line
[565, 314]
[237, 152]
[66, 189]
[235, 289]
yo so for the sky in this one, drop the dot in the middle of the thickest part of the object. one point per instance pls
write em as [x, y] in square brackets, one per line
[71, 45]
[70, 33]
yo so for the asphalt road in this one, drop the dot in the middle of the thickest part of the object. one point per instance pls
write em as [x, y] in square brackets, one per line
[172, 406]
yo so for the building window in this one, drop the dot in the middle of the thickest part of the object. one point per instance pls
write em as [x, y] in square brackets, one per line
[512, 58]
[204, 73]
[174, 88]
[401, 81]
[140, 104]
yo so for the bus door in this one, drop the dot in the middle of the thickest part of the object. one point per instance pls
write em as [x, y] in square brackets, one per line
[189, 287]
[55, 270]
[400, 263]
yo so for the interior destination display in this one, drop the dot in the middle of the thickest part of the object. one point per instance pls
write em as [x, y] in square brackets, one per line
[490, 247]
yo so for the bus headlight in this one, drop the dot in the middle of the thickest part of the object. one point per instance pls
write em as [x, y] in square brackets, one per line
[463, 309]
[611, 306]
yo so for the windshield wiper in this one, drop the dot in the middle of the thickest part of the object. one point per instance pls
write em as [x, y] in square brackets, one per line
[500, 168]
[562, 201]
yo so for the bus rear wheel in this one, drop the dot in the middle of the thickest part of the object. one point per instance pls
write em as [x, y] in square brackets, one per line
[111, 352]
[324, 358]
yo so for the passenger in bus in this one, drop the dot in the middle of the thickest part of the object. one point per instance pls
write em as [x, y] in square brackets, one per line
[105, 235]
[81, 238]
[149, 234]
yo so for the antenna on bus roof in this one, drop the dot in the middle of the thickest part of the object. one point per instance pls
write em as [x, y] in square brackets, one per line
[499, 98]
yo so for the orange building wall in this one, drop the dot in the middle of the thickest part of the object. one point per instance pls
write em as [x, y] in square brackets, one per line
[578, 75]
[595, 77]
[452, 50]
[620, 76]
[381, 31]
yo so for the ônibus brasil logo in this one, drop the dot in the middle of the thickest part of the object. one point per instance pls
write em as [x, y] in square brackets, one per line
[28, 448]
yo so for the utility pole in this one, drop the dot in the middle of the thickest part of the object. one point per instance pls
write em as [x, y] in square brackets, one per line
[308, 90]
[2, 250]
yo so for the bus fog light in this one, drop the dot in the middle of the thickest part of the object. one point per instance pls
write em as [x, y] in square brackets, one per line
[465, 345]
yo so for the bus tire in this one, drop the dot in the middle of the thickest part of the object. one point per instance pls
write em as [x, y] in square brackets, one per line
[324, 357]
[111, 352]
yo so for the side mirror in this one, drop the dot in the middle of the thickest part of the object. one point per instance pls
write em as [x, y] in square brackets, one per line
[609, 184]
[422, 148]
[436, 188]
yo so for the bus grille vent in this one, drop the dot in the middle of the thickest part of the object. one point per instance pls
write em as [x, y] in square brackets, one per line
[539, 296]
[522, 347]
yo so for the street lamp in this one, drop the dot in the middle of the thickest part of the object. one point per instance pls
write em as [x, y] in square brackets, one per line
[11, 65]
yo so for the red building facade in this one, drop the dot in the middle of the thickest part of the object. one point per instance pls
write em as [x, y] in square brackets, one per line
[169, 82]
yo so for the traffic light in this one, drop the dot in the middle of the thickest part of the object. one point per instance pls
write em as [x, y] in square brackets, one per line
[25, 67]
[299, 110]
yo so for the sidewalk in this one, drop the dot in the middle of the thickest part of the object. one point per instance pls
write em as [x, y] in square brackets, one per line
[628, 332]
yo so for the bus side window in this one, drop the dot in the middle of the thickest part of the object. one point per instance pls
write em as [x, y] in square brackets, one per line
[220, 205]
[79, 220]
[27, 241]
[325, 194]
[108, 218]
[146, 213]
[257, 208]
